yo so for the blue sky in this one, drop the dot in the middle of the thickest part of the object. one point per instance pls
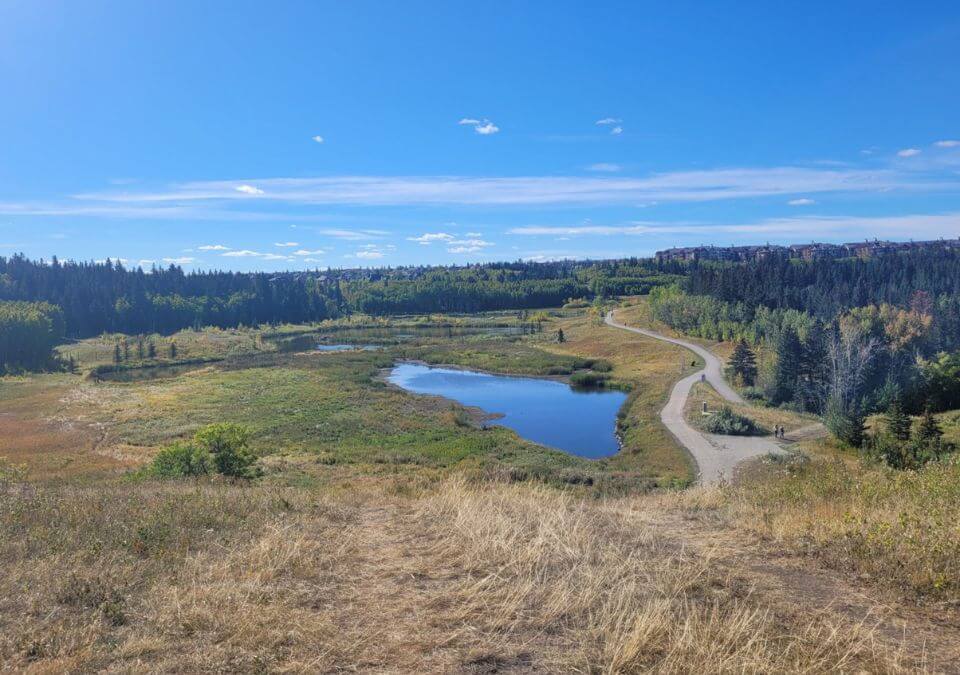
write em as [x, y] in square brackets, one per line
[289, 135]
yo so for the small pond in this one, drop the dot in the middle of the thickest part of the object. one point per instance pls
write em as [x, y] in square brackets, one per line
[581, 422]
[345, 348]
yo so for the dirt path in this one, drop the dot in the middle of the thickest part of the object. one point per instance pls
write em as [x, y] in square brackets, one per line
[716, 456]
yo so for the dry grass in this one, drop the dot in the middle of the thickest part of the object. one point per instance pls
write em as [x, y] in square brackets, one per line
[900, 529]
[476, 578]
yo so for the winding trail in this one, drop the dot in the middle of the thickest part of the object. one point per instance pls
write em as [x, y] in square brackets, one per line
[716, 456]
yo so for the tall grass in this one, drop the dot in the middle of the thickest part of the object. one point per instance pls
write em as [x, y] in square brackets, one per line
[901, 528]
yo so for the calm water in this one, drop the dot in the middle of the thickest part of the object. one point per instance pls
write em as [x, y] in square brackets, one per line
[546, 412]
[345, 348]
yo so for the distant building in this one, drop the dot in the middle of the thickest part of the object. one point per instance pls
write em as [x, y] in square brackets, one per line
[811, 251]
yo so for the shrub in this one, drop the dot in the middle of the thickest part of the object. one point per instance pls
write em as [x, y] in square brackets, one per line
[589, 380]
[216, 448]
[181, 460]
[725, 421]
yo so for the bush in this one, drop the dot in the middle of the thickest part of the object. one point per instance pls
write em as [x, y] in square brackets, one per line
[216, 448]
[725, 421]
[181, 460]
[589, 380]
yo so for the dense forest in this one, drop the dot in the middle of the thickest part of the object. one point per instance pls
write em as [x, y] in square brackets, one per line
[839, 338]
[106, 297]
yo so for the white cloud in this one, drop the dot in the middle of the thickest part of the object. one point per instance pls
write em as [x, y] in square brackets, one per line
[909, 152]
[605, 167]
[616, 131]
[303, 252]
[704, 185]
[800, 228]
[467, 245]
[248, 190]
[286, 244]
[241, 254]
[801, 202]
[145, 262]
[274, 256]
[369, 255]
[317, 139]
[947, 144]
[213, 247]
[354, 235]
[483, 127]
[180, 261]
[473, 234]
[430, 237]
[608, 121]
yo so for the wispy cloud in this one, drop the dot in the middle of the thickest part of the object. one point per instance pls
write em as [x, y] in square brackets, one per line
[800, 228]
[616, 131]
[801, 202]
[353, 235]
[185, 260]
[248, 190]
[317, 139]
[213, 247]
[680, 186]
[286, 244]
[246, 253]
[306, 252]
[369, 255]
[909, 152]
[605, 167]
[467, 245]
[430, 237]
[483, 127]
[947, 144]
[608, 121]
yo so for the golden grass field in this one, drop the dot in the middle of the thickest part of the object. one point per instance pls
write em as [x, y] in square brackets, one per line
[385, 536]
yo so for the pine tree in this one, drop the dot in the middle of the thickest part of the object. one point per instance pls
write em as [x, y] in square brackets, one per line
[117, 354]
[787, 371]
[743, 364]
[141, 350]
[898, 422]
[151, 350]
[173, 350]
[561, 338]
[928, 429]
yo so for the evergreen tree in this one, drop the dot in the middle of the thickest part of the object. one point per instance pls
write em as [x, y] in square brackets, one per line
[117, 353]
[929, 429]
[141, 349]
[173, 350]
[743, 364]
[787, 371]
[898, 421]
[151, 350]
[560, 336]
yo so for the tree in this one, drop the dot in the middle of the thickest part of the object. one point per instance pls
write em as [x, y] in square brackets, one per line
[117, 353]
[845, 421]
[560, 336]
[743, 364]
[141, 349]
[151, 350]
[898, 421]
[787, 371]
[173, 349]
[928, 429]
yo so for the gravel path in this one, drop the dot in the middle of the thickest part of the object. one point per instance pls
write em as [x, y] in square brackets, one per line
[716, 456]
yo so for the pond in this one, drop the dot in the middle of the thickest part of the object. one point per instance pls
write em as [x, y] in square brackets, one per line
[581, 422]
[345, 348]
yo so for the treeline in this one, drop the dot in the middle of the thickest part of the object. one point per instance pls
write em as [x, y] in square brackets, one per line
[28, 333]
[107, 297]
[827, 287]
